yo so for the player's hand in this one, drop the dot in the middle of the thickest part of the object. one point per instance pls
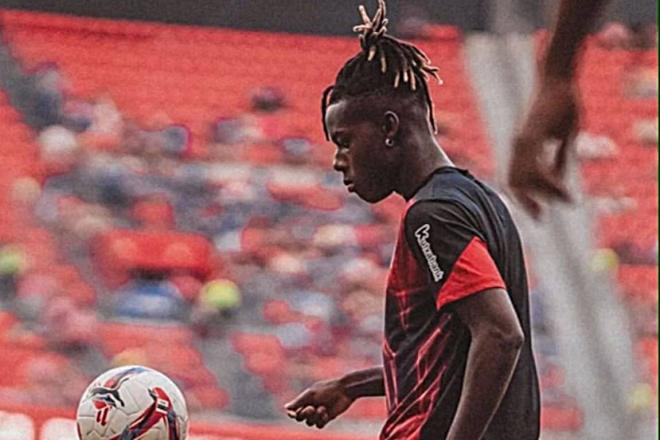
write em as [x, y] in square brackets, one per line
[319, 404]
[553, 116]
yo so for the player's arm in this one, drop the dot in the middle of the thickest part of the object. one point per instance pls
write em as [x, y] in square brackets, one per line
[554, 110]
[574, 22]
[324, 401]
[364, 383]
[496, 341]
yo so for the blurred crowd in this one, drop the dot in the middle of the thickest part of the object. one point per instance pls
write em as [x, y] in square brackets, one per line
[298, 260]
[617, 35]
[295, 280]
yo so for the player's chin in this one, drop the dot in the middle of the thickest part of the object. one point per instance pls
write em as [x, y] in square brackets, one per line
[373, 196]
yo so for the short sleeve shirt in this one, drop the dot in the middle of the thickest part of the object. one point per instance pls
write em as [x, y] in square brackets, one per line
[456, 239]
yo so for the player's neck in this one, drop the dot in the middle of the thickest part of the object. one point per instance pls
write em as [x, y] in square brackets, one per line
[422, 160]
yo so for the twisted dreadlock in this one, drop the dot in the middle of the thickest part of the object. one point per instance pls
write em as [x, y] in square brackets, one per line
[400, 67]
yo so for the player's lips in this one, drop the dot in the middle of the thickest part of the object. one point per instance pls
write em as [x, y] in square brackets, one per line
[350, 186]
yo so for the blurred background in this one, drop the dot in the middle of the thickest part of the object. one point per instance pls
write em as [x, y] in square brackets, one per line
[167, 199]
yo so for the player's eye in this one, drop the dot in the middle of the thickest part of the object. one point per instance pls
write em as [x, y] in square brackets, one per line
[342, 144]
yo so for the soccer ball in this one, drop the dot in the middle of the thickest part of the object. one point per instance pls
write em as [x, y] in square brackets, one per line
[132, 402]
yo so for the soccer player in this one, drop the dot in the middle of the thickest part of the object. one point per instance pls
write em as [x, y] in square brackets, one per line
[554, 111]
[457, 354]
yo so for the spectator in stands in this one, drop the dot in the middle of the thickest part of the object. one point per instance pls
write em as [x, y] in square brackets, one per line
[614, 35]
[176, 139]
[68, 326]
[414, 23]
[229, 131]
[216, 305]
[641, 82]
[613, 204]
[49, 93]
[590, 146]
[34, 291]
[12, 264]
[632, 253]
[150, 296]
[646, 131]
[165, 138]
[297, 150]
[25, 191]
[364, 309]
[58, 148]
[188, 285]
[78, 114]
[267, 99]
[103, 123]
[133, 137]
[294, 335]
[109, 181]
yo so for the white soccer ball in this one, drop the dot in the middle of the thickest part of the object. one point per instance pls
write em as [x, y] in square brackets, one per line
[132, 402]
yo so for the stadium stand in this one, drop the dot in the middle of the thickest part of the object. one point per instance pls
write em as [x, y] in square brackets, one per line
[617, 149]
[197, 187]
[619, 105]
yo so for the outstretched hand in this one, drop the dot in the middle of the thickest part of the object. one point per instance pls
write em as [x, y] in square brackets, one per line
[319, 404]
[553, 116]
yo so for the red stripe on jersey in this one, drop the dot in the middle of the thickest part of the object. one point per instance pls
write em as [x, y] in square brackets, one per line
[473, 272]
[409, 429]
[409, 417]
[431, 349]
[391, 388]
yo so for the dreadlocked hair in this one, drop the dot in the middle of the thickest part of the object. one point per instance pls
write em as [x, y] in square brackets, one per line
[385, 65]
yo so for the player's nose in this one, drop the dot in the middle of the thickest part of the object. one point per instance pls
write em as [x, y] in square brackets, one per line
[339, 163]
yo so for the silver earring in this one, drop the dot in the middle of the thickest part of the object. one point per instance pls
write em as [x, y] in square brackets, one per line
[389, 142]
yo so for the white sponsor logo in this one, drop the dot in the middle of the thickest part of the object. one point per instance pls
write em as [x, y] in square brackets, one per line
[422, 235]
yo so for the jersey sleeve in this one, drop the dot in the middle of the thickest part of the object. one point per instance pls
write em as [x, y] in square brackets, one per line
[453, 254]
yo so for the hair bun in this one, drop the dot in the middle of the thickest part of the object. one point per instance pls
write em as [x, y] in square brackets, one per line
[371, 30]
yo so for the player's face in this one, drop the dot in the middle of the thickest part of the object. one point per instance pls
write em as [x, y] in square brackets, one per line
[367, 165]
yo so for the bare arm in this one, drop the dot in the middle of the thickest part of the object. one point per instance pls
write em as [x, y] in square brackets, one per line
[576, 19]
[364, 383]
[496, 342]
[553, 114]
[326, 400]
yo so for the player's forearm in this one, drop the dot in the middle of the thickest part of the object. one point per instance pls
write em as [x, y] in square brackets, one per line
[574, 22]
[364, 383]
[491, 361]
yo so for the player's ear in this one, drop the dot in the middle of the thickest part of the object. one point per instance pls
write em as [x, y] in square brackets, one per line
[390, 124]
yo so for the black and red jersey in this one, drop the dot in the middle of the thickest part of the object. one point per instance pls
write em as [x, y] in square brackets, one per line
[456, 239]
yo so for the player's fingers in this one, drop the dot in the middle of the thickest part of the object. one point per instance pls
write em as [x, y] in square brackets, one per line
[308, 413]
[301, 400]
[320, 415]
[311, 416]
[561, 159]
[301, 413]
[551, 187]
[323, 416]
[528, 202]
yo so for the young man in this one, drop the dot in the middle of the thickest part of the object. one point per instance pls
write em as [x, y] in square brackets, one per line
[457, 355]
